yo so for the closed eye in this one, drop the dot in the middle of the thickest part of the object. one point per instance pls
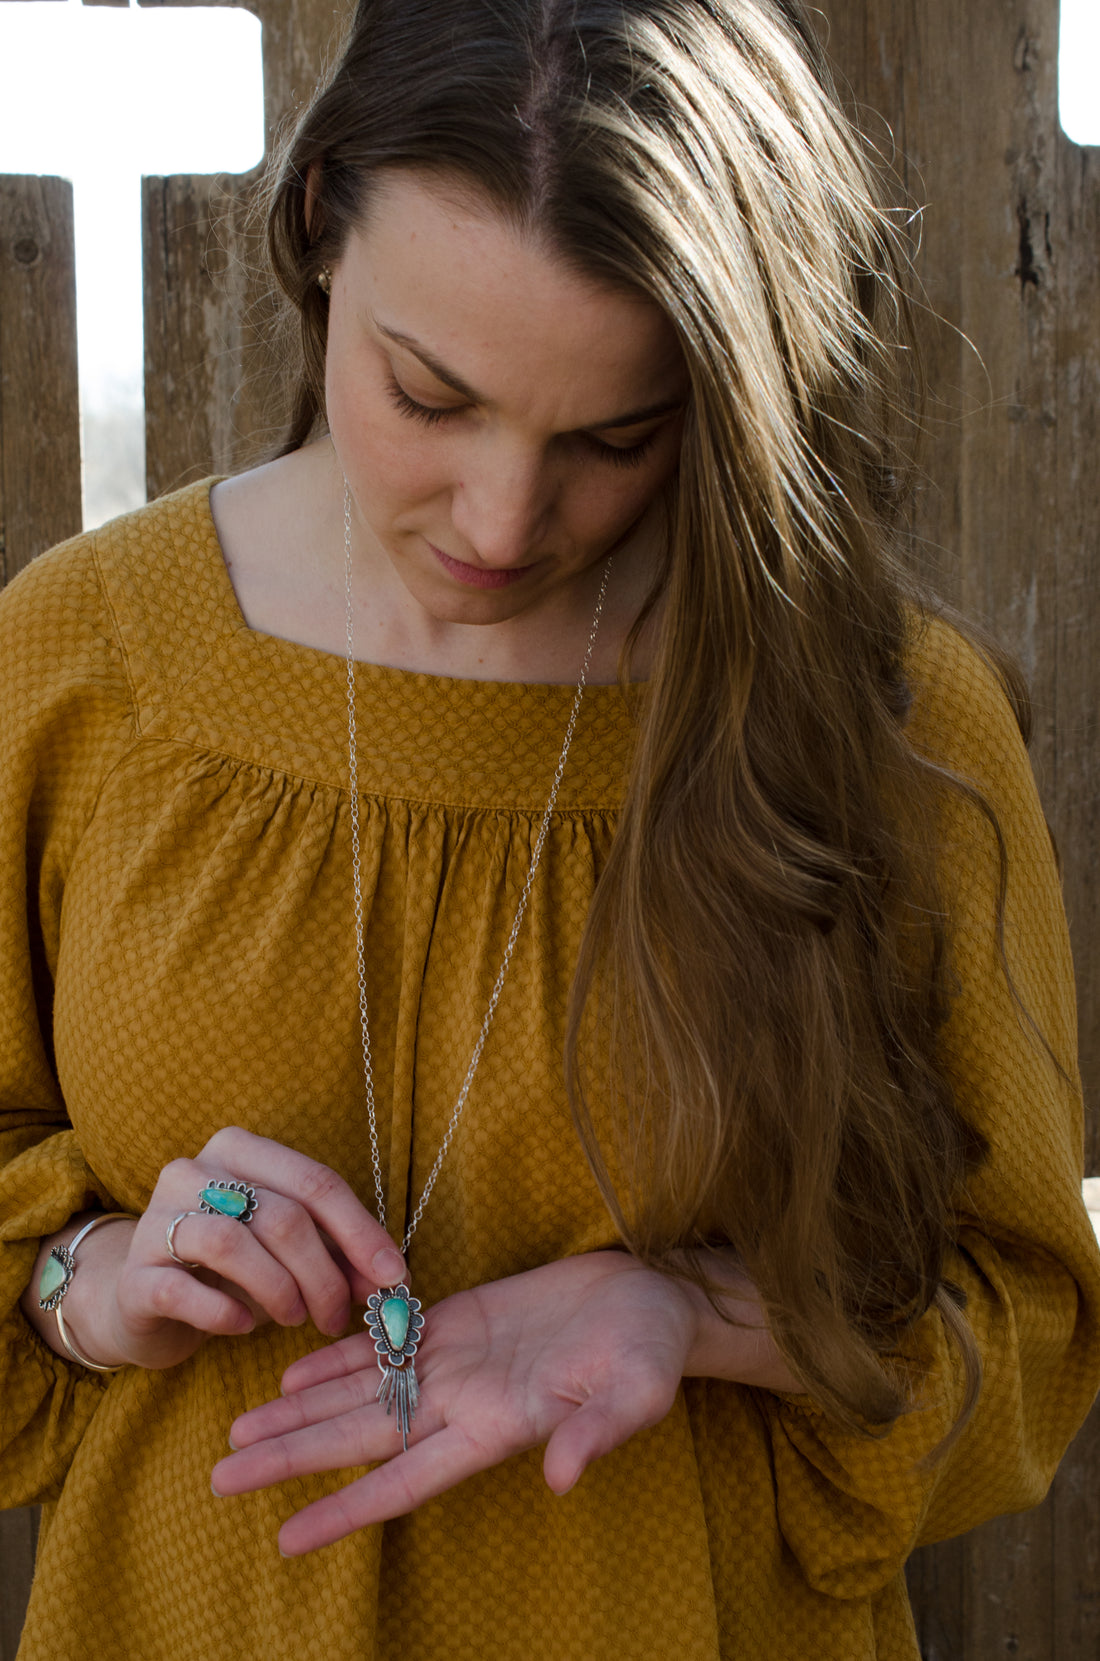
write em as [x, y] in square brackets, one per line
[430, 415]
[629, 455]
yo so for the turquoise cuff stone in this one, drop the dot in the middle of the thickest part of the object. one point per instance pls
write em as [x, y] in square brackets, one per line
[54, 1280]
[229, 1199]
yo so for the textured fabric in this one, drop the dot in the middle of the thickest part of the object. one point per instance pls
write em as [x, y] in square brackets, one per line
[177, 954]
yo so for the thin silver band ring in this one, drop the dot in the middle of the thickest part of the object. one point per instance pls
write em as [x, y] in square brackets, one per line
[170, 1236]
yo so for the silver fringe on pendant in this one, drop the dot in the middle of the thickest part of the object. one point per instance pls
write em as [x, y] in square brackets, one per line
[399, 1392]
[394, 1321]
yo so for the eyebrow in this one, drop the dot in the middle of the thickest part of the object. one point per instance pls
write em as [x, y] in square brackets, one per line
[632, 418]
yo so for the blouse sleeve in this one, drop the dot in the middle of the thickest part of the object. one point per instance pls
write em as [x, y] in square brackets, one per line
[851, 1508]
[65, 719]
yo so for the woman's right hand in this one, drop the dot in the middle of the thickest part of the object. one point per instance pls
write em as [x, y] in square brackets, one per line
[310, 1248]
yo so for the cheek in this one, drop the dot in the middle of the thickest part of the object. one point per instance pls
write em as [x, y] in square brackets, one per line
[616, 497]
[389, 460]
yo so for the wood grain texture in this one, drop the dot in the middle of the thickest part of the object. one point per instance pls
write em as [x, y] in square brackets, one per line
[39, 411]
[18, 1536]
[964, 100]
[213, 370]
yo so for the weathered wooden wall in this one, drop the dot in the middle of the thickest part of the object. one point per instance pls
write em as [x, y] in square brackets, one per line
[39, 505]
[1010, 262]
[39, 412]
[964, 96]
[209, 370]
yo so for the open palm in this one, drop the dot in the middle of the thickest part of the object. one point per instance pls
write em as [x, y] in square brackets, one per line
[579, 1354]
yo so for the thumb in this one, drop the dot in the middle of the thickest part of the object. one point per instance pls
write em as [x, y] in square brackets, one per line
[601, 1423]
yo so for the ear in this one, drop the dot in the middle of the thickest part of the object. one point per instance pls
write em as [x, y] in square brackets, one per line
[314, 216]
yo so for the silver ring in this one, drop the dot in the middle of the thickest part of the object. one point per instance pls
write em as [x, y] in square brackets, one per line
[170, 1236]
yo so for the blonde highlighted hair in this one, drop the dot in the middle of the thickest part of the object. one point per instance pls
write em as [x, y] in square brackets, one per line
[752, 1042]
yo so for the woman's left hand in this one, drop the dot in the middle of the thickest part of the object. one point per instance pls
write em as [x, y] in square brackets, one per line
[579, 1354]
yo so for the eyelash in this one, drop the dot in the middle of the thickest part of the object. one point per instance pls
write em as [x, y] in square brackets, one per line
[429, 417]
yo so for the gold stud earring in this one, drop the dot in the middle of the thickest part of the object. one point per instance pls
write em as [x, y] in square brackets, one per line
[324, 279]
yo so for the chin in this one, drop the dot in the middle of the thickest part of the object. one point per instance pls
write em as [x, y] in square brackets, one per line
[477, 610]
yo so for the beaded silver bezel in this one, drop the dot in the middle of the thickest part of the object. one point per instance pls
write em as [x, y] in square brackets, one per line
[62, 1255]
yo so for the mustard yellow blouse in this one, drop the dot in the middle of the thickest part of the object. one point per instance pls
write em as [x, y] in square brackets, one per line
[176, 954]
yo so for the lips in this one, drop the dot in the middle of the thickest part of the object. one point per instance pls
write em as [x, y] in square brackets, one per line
[478, 576]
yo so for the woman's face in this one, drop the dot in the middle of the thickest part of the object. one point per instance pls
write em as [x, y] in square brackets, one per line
[502, 422]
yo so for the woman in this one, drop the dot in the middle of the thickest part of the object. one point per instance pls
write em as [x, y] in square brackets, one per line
[580, 563]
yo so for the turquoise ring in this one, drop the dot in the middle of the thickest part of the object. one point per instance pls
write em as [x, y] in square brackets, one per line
[229, 1199]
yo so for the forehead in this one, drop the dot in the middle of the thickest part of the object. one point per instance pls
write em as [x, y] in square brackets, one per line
[501, 308]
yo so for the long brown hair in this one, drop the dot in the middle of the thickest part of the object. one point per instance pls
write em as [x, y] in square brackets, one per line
[751, 1050]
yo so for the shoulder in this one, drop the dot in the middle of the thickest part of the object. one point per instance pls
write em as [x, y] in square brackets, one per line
[164, 591]
[56, 627]
[999, 873]
[152, 551]
[162, 559]
[128, 604]
[961, 713]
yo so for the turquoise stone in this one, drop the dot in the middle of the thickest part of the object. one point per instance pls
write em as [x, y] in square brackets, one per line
[225, 1200]
[395, 1321]
[54, 1276]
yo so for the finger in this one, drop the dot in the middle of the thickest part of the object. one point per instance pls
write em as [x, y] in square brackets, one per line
[289, 1413]
[329, 1200]
[351, 1355]
[279, 1258]
[153, 1295]
[235, 1253]
[286, 1230]
[326, 1429]
[408, 1480]
[354, 1437]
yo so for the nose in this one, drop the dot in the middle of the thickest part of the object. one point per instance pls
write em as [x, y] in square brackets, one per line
[501, 504]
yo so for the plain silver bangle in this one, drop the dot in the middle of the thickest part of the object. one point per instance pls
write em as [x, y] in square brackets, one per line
[65, 1258]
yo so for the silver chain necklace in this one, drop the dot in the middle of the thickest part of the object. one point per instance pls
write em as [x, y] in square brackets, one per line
[393, 1316]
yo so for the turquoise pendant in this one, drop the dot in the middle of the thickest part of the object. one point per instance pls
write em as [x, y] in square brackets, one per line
[229, 1199]
[394, 1321]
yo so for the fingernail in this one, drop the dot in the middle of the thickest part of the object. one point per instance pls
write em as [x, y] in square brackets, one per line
[215, 1493]
[299, 1314]
[233, 1444]
[388, 1267]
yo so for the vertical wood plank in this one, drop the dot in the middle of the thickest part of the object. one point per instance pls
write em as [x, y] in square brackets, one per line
[937, 1590]
[213, 372]
[18, 1537]
[39, 505]
[1074, 799]
[39, 409]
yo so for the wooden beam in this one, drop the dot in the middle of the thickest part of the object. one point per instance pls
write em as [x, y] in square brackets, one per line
[39, 402]
[18, 1538]
[214, 376]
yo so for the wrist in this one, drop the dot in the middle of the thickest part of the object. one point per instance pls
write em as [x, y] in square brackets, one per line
[80, 1323]
[733, 1341]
